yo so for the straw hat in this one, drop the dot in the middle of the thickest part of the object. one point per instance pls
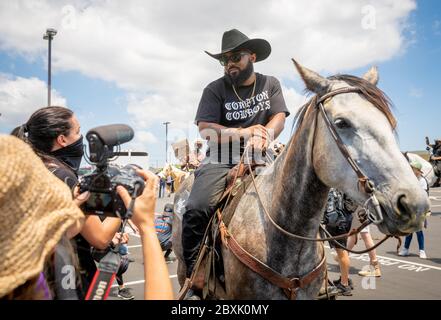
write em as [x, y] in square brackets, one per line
[36, 209]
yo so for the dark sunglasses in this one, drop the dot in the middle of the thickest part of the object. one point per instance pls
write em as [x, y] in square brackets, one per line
[235, 58]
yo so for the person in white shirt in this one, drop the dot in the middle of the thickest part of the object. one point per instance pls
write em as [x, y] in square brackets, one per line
[416, 167]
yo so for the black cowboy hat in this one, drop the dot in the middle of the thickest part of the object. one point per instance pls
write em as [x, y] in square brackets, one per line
[234, 40]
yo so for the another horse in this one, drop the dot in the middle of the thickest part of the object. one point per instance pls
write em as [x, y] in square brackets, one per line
[294, 188]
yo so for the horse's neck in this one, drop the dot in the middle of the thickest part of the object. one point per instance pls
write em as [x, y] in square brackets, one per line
[298, 193]
[296, 204]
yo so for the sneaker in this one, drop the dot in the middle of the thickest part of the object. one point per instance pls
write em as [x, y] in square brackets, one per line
[350, 283]
[344, 290]
[373, 271]
[125, 294]
[191, 295]
[423, 254]
[404, 252]
[332, 292]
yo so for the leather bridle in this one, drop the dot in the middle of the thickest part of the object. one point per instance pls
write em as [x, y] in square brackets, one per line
[363, 180]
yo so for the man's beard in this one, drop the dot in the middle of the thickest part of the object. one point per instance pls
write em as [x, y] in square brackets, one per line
[241, 76]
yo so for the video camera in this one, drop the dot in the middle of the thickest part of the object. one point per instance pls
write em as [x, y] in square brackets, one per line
[102, 183]
[428, 144]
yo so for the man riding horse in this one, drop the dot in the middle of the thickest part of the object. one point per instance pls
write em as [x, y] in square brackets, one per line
[241, 108]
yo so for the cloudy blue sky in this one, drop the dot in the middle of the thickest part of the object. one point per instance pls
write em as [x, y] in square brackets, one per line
[142, 62]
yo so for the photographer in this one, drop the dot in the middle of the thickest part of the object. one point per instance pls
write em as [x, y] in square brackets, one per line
[36, 210]
[54, 134]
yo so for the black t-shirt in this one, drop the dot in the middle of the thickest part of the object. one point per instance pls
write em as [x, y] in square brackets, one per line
[220, 104]
[87, 264]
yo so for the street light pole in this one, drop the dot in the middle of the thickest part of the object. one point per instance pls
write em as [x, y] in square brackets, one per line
[49, 35]
[166, 140]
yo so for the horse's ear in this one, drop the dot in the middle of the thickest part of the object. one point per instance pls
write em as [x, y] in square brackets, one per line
[372, 75]
[313, 81]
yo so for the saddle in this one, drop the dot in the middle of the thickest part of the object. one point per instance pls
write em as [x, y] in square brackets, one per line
[209, 256]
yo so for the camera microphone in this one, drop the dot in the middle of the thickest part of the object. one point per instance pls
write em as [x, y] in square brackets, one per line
[103, 139]
[112, 135]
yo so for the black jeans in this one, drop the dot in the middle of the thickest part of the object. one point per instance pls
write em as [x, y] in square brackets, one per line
[209, 184]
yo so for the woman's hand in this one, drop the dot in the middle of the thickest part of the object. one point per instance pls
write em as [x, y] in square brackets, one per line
[79, 199]
[144, 208]
[120, 238]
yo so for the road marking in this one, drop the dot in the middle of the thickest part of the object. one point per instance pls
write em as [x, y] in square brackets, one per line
[406, 263]
[135, 246]
[414, 263]
[402, 261]
[141, 281]
[436, 205]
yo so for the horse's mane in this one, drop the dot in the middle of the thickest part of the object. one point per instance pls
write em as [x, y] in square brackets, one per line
[370, 92]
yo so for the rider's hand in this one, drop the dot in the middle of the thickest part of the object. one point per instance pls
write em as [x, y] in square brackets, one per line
[259, 143]
[144, 208]
[79, 199]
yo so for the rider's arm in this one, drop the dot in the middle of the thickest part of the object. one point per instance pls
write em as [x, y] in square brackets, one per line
[212, 131]
[277, 124]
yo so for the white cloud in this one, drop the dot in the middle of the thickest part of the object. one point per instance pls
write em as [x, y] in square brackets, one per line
[154, 49]
[142, 141]
[20, 97]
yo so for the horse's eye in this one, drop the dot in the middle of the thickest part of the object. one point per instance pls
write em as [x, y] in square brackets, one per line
[342, 124]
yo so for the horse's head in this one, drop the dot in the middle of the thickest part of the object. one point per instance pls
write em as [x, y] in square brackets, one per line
[365, 124]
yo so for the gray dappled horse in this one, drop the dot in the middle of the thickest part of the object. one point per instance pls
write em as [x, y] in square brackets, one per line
[294, 188]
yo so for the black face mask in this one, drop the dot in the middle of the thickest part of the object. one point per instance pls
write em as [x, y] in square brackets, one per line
[71, 154]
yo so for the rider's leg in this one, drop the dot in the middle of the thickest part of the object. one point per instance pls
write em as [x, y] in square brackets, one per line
[209, 184]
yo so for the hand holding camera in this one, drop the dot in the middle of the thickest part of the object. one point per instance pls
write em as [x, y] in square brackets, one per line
[144, 208]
